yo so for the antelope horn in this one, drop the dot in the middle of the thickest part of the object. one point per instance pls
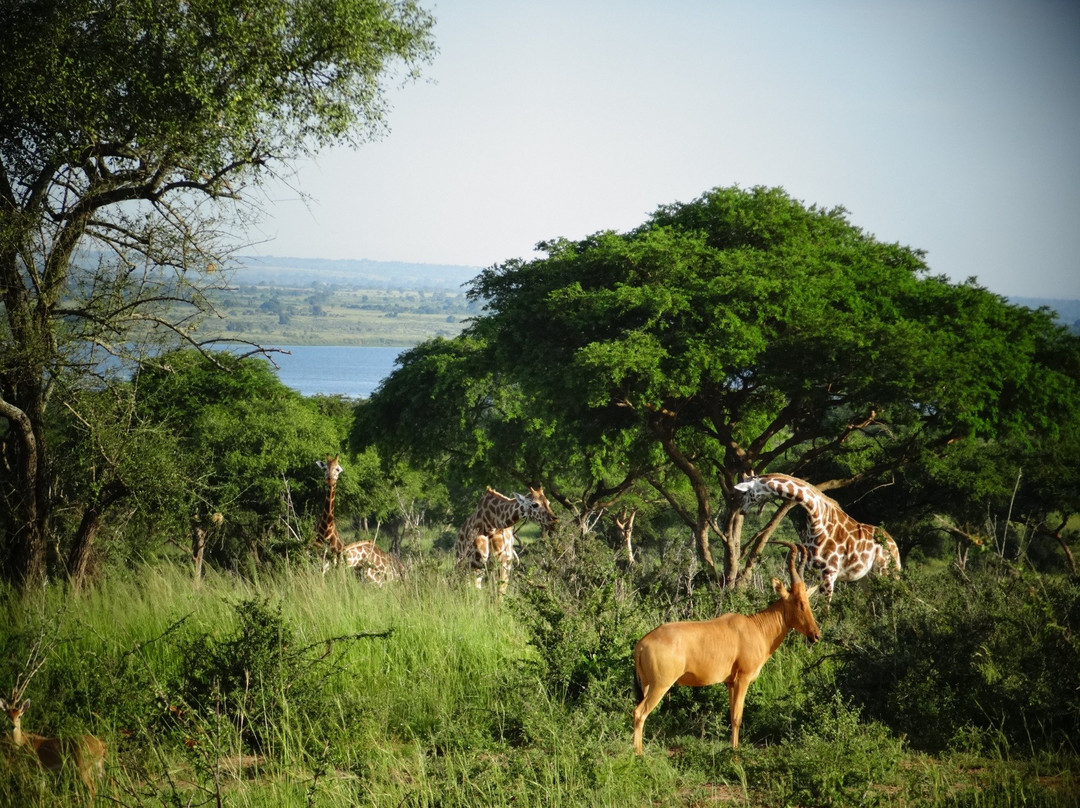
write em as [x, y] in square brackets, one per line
[791, 559]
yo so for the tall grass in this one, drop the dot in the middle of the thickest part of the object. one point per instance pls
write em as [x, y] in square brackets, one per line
[302, 689]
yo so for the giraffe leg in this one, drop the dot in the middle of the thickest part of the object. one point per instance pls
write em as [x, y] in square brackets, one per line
[504, 550]
[828, 580]
[504, 575]
[481, 552]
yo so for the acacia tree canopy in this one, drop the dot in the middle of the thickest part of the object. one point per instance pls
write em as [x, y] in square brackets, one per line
[131, 135]
[745, 330]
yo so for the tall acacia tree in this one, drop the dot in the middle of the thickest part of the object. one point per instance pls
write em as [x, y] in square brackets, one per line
[132, 136]
[745, 331]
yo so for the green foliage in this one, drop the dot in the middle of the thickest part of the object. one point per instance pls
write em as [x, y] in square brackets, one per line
[255, 678]
[834, 759]
[468, 701]
[971, 659]
[583, 622]
[131, 134]
[206, 78]
[741, 331]
[109, 453]
[244, 436]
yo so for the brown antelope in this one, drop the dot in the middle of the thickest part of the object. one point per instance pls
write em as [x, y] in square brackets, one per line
[86, 751]
[731, 648]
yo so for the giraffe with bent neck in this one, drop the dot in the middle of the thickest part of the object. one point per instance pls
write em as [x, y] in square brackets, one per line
[489, 532]
[366, 557]
[843, 548]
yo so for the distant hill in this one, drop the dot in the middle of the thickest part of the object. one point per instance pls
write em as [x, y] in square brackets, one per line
[274, 270]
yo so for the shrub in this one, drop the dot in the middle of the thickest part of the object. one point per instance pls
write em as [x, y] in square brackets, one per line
[254, 677]
[835, 759]
[994, 651]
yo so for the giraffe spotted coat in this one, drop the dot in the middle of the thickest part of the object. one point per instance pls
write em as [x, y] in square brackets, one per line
[488, 532]
[366, 557]
[843, 548]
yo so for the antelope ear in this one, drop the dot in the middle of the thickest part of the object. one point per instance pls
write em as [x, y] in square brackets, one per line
[25, 704]
[812, 591]
[780, 587]
[321, 464]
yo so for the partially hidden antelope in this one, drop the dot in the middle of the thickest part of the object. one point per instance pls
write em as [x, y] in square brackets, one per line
[85, 752]
[731, 648]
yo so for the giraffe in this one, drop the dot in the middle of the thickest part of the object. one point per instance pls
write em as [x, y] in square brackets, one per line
[843, 548]
[489, 530]
[366, 557]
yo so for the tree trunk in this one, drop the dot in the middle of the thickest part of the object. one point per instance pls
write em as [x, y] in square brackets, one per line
[24, 536]
[700, 525]
[79, 558]
[89, 525]
[757, 544]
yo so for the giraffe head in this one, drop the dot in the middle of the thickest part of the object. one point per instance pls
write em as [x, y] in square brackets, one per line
[332, 468]
[754, 491]
[536, 507]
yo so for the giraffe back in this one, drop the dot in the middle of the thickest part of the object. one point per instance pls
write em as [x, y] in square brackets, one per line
[372, 562]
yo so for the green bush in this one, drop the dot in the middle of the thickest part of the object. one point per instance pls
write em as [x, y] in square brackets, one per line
[256, 677]
[834, 759]
[967, 655]
[582, 621]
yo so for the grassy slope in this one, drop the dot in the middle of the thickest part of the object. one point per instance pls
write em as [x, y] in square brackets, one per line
[450, 708]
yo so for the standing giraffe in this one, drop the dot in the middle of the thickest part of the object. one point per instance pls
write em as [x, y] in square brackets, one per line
[841, 547]
[489, 530]
[365, 556]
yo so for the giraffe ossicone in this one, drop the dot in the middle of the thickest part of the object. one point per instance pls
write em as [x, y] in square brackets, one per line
[488, 533]
[365, 557]
[843, 548]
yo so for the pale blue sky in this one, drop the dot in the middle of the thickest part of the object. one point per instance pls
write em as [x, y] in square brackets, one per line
[948, 125]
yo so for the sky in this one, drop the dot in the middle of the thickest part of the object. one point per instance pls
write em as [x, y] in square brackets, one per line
[951, 126]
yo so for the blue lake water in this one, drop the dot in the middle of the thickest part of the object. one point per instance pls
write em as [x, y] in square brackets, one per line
[335, 369]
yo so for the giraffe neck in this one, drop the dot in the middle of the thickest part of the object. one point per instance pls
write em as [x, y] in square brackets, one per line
[506, 512]
[327, 528]
[820, 508]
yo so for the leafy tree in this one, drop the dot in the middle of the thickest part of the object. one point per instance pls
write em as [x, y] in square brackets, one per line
[109, 454]
[743, 331]
[248, 444]
[450, 411]
[131, 138]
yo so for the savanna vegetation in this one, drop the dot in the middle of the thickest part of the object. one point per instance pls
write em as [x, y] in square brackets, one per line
[262, 681]
[637, 376]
